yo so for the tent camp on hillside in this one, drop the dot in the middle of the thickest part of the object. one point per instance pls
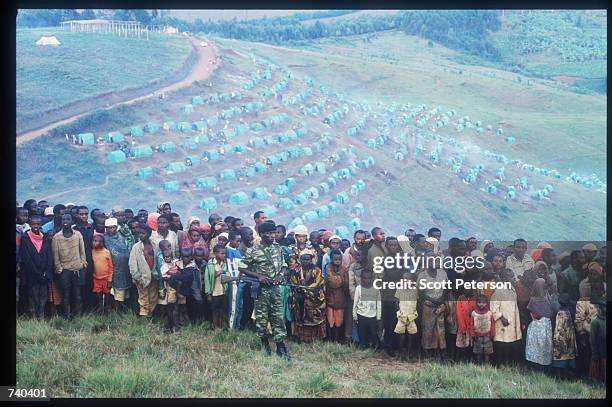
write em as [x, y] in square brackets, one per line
[48, 41]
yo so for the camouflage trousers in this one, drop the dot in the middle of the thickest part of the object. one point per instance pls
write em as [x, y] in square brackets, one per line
[269, 308]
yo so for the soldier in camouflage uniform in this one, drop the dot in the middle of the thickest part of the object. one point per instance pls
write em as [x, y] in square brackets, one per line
[264, 261]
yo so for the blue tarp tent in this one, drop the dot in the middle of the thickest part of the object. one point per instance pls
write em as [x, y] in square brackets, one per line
[307, 169]
[320, 167]
[171, 186]
[359, 208]
[208, 203]
[228, 175]
[355, 224]
[211, 155]
[145, 172]
[273, 160]
[334, 207]
[310, 216]
[295, 222]
[176, 167]
[239, 198]
[167, 147]
[141, 151]
[271, 140]
[189, 144]
[136, 132]
[312, 193]
[285, 203]
[270, 210]
[114, 137]
[281, 189]
[342, 231]
[322, 211]
[341, 197]
[206, 182]
[197, 100]
[188, 108]
[199, 126]
[86, 138]
[300, 199]
[194, 159]
[184, 126]
[116, 156]
[239, 148]
[152, 127]
[324, 187]
[307, 151]
[258, 142]
[260, 193]
[290, 182]
[260, 167]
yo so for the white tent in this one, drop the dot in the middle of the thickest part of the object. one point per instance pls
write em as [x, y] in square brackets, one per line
[170, 30]
[48, 41]
[204, 44]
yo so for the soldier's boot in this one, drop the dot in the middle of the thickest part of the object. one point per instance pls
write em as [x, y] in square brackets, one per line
[281, 350]
[266, 345]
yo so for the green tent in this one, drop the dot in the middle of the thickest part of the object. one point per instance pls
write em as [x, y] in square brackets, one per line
[281, 189]
[342, 197]
[282, 155]
[208, 203]
[322, 211]
[247, 172]
[343, 173]
[152, 127]
[172, 125]
[136, 132]
[176, 167]
[399, 156]
[285, 203]
[370, 160]
[300, 199]
[307, 151]
[171, 186]
[167, 147]
[211, 155]
[360, 184]
[310, 216]
[324, 187]
[270, 210]
[213, 99]
[333, 181]
[197, 100]
[290, 182]
[258, 142]
[86, 138]
[301, 132]
[116, 156]
[195, 160]
[359, 208]
[141, 151]
[320, 167]
[145, 172]
[239, 198]
[188, 108]
[334, 207]
[342, 231]
[282, 138]
[206, 182]
[114, 137]
[312, 193]
[260, 193]
[228, 175]
[355, 224]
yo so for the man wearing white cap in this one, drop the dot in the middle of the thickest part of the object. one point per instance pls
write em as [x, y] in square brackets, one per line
[120, 254]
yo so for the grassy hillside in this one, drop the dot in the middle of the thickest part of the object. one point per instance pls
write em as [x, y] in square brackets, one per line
[86, 65]
[120, 356]
[553, 128]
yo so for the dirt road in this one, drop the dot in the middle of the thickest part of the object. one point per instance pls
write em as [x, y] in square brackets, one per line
[201, 70]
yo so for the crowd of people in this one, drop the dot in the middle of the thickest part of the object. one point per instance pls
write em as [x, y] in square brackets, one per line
[314, 285]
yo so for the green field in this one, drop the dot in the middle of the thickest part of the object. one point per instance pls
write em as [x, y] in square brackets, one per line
[86, 65]
[120, 356]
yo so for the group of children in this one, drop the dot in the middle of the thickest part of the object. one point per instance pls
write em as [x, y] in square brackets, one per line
[551, 313]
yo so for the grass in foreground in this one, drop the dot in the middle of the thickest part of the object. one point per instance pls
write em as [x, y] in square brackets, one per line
[120, 356]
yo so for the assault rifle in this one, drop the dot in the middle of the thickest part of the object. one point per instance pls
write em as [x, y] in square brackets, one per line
[248, 279]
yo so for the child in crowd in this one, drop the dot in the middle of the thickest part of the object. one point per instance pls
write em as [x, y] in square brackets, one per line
[539, 333]
[103, 273]
[504, 305]
[214, 289]
[586, 312]
[564, 339]
[182, 282]
[336, 289]
[167, 295]
[482, 329]
[598, 342]
[367, 309]
[465, 305]
[406, 327]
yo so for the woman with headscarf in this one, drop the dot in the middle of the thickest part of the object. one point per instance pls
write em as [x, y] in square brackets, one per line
[308, 308]
[182, 234]
[164, 208]
[152, 220]
[485, 246]
[539, 333]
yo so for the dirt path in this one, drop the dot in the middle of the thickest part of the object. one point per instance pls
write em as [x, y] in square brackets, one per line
[202, 70]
